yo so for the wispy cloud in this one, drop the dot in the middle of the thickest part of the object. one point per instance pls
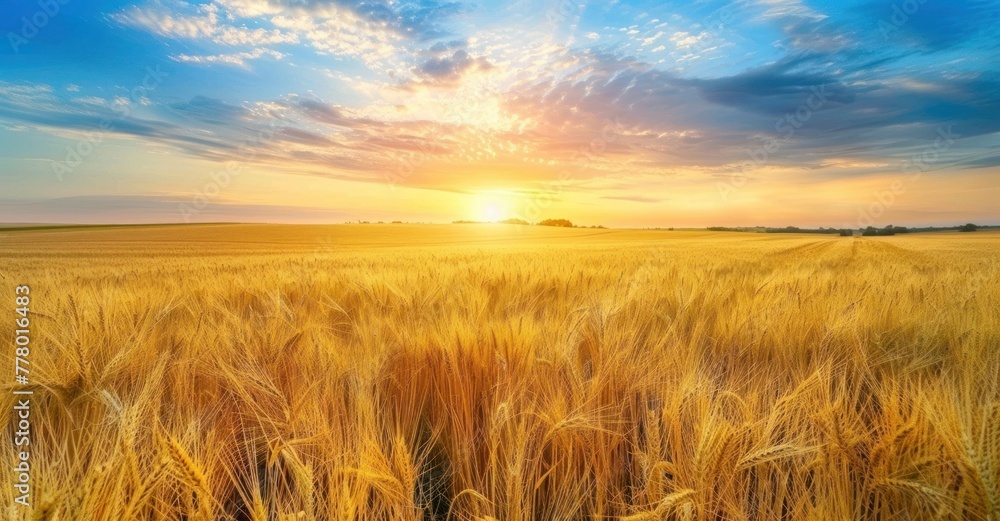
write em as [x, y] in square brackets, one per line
[238, 59]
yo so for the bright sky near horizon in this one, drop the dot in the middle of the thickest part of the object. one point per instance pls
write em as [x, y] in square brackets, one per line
[622, 113]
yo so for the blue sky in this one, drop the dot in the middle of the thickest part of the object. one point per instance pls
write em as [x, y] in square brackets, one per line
[622, 113]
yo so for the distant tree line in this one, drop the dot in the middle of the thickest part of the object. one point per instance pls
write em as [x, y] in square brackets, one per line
[787, 229]
[893, 230]
[869, 231]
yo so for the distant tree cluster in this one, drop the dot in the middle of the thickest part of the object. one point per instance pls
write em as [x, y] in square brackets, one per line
[888, 230]
[564, 223]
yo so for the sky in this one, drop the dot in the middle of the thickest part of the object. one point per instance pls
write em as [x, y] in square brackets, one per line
[622, 113]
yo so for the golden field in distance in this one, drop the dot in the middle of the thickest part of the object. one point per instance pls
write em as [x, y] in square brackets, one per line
[500, 372]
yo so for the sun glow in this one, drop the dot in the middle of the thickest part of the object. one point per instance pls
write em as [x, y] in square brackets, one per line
[490, 208]
[492, 212]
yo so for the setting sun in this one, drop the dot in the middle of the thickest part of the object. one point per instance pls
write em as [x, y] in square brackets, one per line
[491, 212]
[490, 208]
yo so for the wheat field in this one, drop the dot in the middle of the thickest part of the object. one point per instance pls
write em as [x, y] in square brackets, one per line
[492, 372]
